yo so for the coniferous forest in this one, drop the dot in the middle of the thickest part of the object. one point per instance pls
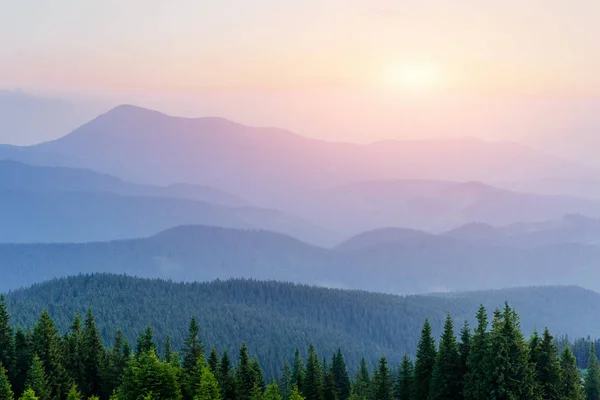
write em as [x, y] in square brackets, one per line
[493, 361]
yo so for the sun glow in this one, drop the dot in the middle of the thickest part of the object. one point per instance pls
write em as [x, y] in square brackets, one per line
[414, 78]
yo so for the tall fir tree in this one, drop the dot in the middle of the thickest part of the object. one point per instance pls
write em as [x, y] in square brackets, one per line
[244, 375]
[73, 357]
[463, 349]
[285, 381]
[167, 350]
[147, 377]
[424, 364]
[362, 383]
[23, 358]
[313, 379]
[404, 383]
[329, 392]
[476, 379]
[295, 394]
[117, 361]
[7, 343]
[74, 393]
[226, 378]
[382, 382]
[93, 356]
[145, 342]
[272, 392]
[298, 371]
[37, 380]
[213, 362]
[343, 386]
[257, 374]
[29, 394]
[6, 392]
[445, 379]
[209, 386]
[591, 385]
[570, 384]
[547, 366]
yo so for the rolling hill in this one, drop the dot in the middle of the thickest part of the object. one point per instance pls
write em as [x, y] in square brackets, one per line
[269, 316]
[418, 265]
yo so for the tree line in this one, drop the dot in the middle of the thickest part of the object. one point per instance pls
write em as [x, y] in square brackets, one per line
[491, 362]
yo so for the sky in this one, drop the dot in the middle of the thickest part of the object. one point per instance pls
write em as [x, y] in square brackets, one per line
[351, 70]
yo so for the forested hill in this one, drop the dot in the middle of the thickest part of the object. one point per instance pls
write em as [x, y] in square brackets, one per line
[272, 316]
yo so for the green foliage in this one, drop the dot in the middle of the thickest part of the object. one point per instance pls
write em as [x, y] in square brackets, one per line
[272, 392]
[312, 388]
[591, 386]
[74, 394]
[404, 384]
[209, 387]
[382, 382]
[548, 370]
[6, 392]
[37, 379]
[341, 378]
[570, 384]
[147, 375]
[476, 379]
[446, 378]
[424, 364]
[226, 378]
[29, 394]
[7, 338]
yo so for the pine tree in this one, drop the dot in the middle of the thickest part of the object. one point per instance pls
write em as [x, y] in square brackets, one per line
[46, 345]
[329, 391]
[362, 384]
[7, 344]
[213, 361]
[445, 379]
[548, 372]
[73, 394]
[145, 342]
[209, 387]
[117, 361]
[226, 378]
[285, 381]
[147, 377]
[193, 349]
[29, 395]
[476, 380]
[341, 378]
[93, 355]
[37, 379]
[403, 386]
[272, 392]
[23, 357]
[6, 392]
[244, 375]
[167, 351]
[463, 349]
[382, 382]
[591, 386]
[257, 374]
[73, 358]
[424, 364]
[295, 394]
[570, 384]
[313, 379]
[298, 371]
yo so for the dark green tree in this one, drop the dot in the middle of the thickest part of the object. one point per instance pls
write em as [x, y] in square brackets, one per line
[92, 350]
[147, 377]
[445, 379]
[329, 391]
[362, 383]
[570, 384]
[23, 358]
[476, 380]
[74, 393]
[226, 378]
[272, 392]
[259, 380]
[73, 357]
[6, 392]
[382, 382]
[404, 383]
[547, 366]
[244, 375]
[145, 342]
[424, 364]
[313, 380]
[463, 350]
[285, 381]
[37, 380]
[209, 387]
[213, 361]
[591, 385]
[7, 343]
[341, 378]
[298, 371]
[168, 350]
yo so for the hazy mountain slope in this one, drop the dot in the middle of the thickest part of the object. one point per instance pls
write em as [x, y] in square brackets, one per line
[29, 216]
[417, 265]
[266, 164]
[272, 316]
[19, 176]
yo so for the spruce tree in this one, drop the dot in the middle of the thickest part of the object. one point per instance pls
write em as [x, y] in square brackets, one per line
[341, 378]
[23, 357]
[591, 386]
[93, 356]
[167, 351]
[244, 375]
[29, 395]
[272, 392]
[213, 361]
[570, 384]
[147, 377]
[6, 392]
[37, 380]
[329, 391]
[257, 373]
[7, 344]
[298, 371]
[74, 394]
[209, 387]
[382, 382]
[362, 383]
[404, 383]
[475, 382]
[193, 349]
[295, 394]
[226, 378]
[445, 379]
[145, 342]
[548, 371]
[285, 381]
[73, 357]
[463, 348]
[424, 364]
[313, 379]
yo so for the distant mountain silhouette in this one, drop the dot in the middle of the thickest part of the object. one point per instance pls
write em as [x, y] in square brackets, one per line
[269, 165]
[413, 265]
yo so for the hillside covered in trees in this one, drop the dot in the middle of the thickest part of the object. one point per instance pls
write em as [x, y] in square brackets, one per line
[491, 362]
[268, 316]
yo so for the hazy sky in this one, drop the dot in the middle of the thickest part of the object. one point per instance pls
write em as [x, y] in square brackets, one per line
[341, 69]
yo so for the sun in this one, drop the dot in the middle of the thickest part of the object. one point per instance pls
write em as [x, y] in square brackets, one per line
[415, 77]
